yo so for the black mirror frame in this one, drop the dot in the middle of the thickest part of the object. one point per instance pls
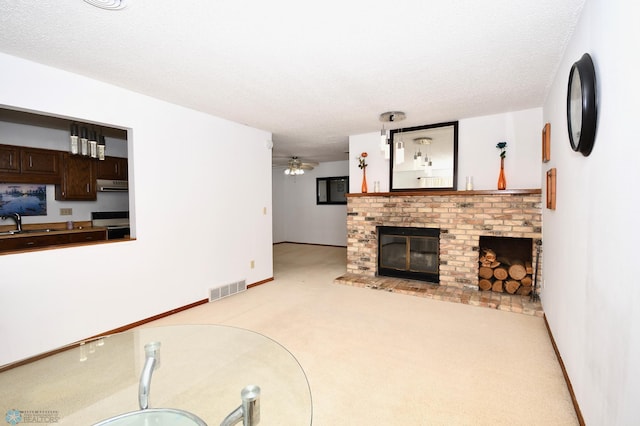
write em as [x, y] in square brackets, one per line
[585, 70]
[392, 133]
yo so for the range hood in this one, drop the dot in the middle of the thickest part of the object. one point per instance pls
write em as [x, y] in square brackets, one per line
[107, 185]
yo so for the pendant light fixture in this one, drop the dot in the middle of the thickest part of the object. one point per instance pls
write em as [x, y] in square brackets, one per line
[417, 159]
[423, 162]
[74, 139]
[102, 147]
[428, 169]
[384, 144]
[399, 155]
[388, 117]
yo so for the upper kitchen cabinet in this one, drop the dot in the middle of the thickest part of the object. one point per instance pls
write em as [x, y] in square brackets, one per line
[29, 165]
[113, 168]
[40, 161]
[78, 179]
[9, 159]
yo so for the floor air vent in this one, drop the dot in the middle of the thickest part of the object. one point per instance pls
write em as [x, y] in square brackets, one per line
[227, 290]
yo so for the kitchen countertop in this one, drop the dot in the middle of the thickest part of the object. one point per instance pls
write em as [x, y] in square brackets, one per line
[38, 232]
[437, 193]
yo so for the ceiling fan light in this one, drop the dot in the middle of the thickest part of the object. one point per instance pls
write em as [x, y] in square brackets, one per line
[293, 171]
[296, 167]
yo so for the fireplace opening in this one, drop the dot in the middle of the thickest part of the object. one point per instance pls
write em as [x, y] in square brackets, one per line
[406, 252]
[506, 265]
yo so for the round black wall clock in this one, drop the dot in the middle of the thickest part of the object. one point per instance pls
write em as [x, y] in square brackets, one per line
[582, 105]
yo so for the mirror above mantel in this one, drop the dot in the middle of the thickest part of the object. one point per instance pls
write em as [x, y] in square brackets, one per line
[424, 157]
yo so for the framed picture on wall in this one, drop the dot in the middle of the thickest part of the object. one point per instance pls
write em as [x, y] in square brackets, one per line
[24, 199]
[546, 143]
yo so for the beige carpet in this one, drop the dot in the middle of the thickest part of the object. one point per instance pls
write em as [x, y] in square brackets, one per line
[379, 358]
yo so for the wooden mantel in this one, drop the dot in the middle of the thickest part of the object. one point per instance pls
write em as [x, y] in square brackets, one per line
[432, 193]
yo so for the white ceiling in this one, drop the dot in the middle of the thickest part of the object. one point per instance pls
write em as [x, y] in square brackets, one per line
[313, 72]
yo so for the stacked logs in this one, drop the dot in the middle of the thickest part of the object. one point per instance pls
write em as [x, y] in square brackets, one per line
[513, 276]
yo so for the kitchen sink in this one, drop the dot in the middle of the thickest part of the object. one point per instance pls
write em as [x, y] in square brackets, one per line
[34, 231]
[25, 231]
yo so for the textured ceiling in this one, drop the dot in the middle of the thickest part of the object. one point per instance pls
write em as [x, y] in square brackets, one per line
[312, 73]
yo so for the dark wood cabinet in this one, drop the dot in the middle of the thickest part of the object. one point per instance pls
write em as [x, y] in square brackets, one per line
[113, 168]
[74, 175]
[31, 242]
[29, 165]
[40, 161]
[78, 179]
[85, 237]
[27, 242]
[9, 159]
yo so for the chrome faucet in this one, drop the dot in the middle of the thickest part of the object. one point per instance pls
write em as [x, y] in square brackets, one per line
[152, 353]
[16, 217]
[248, 411]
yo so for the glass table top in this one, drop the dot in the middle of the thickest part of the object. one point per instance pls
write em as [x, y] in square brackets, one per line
[202, 371]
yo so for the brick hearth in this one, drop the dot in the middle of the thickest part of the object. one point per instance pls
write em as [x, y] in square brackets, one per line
[461, 216]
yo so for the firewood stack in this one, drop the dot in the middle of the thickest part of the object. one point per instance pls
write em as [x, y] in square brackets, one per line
[513, 276]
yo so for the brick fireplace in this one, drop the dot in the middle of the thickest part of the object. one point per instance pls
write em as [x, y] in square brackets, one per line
[461, 216]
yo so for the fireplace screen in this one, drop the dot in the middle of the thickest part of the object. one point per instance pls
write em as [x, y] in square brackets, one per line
[409, 253]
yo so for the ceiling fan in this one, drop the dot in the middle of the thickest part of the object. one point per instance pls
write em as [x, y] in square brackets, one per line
[295, 166]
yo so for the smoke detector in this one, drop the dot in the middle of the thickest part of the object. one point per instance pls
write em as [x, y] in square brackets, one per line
[108, 4]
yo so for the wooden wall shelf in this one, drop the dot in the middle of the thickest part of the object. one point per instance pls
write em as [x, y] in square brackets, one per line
[428, 193]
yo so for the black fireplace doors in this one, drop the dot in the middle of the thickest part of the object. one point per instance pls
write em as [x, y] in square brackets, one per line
[406, 252]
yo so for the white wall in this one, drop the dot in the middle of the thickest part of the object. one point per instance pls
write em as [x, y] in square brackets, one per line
[591, 290]
[297, 217]
[477, 152]
[377, 166]
[479, 157]
[198, 222]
